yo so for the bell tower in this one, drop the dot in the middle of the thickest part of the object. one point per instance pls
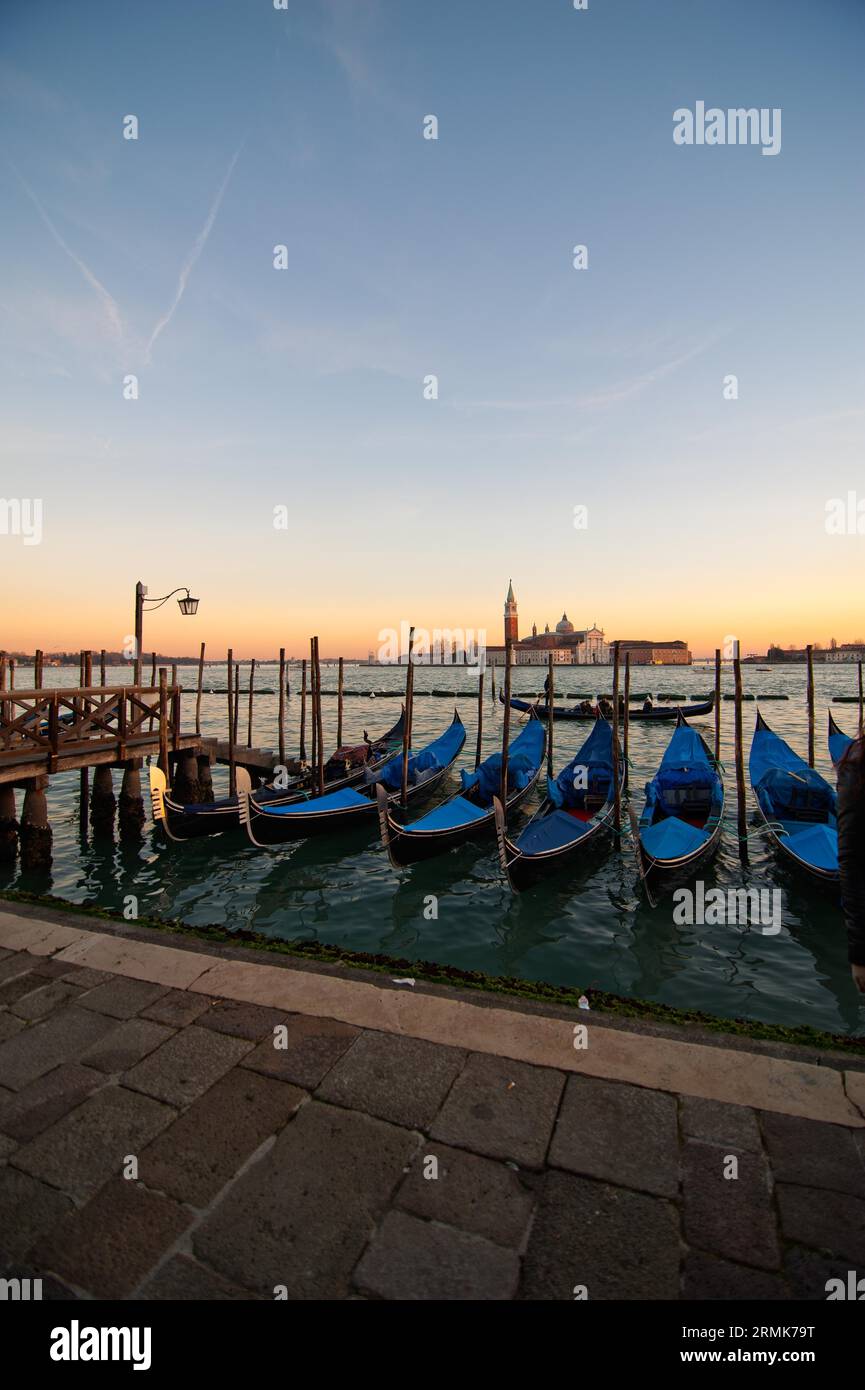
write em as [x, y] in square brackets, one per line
[511, 623]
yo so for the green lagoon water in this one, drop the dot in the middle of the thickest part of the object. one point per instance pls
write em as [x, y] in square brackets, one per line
[589, 928]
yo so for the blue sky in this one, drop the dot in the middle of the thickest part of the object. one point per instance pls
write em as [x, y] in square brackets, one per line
[409, 257]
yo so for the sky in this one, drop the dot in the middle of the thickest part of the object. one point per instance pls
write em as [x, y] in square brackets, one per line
[296, 395]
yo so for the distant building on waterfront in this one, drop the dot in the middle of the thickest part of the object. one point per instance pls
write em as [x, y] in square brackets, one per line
[848, 651]
[567, 645]
[643, 653]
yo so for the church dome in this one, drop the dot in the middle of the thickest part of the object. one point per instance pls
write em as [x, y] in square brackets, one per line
[564, 626]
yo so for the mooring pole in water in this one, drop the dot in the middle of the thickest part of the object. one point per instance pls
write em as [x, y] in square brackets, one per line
[236, 699]
[282, 706]
[163, 720]
[340, 691]
[102, 667]
[199, 690]
[251, 684]
[406, 723]
[717, 703]
[861, 725]
[232, 776]
[506, 726]
[312, 720]
[492, 683]
[86, 678]
[740, 763]
[318, 724]
[627, 717]
[617, 789]
[303, 711]
[550, 715]
[809, 652]
[38, 665]
[480, 719]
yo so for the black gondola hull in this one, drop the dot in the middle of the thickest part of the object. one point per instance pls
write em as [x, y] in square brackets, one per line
[406, 847]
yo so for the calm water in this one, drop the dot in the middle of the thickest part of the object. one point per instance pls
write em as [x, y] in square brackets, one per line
[586, 929]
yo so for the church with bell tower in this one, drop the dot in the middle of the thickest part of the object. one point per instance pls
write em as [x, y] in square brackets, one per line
[511, 621]
[567, 646]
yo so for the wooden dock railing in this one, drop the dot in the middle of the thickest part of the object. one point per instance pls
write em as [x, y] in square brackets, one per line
[53, 730]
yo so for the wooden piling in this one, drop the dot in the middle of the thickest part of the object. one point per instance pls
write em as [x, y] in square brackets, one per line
[102, 667]
[627, 718]
[131, 807]
[493, 684]
[312, 720]
[861, 725]
[339, 700]
[9, 826]
[36, 832]
[506, 727]
[617, 790]
[406, 723]
[163, 719]
[103, 803]
[282, 706]
[480, 719]
[302, 750]
[251, 684]
[318, 723]
[199, 690]
[809, 652]
[717, 703]
[232, 776]
[742, 815]
[85, 667]
[38, 670]
[550, 715]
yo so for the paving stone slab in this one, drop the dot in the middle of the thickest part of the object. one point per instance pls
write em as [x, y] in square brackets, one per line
[9, 1025]
[502, 1109]
[28, 1207]
[704, 1276]
[16, 963]
[185, 1066]
[830, 1221]
[18, 986]
[403, 1080]
[41, 1002]
[109, 1246]
[8, 1145]
[54, 969]
[126, 1044]
[83, 976]
[814, 1154]
[808, 1274]
[301, 1216]
[181, 1279]
[412, 1259]
[176, 1008]
[474, 1194]
[616, 1243]
[251, 1021]
[195, 1157]
[727, 1216]
[312, 1046]
[82, 1151]
[25, 1113]
[62, 1037]
[732, 1126]
[622, 1134]
[122, 998]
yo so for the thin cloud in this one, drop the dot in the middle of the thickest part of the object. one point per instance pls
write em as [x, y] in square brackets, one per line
[108, 303]
[186, 269]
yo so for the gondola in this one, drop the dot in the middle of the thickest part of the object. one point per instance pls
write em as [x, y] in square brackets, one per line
[839, 742]
[681, 821]
[340, 810]
[650, 716]
[797, 804]
[470, 814]
[574, 814]
[345, 768]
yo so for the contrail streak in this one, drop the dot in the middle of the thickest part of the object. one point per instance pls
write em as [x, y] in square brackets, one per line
[188, 265]
[108, 303]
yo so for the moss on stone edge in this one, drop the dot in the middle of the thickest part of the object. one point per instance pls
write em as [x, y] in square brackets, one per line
[431, 971]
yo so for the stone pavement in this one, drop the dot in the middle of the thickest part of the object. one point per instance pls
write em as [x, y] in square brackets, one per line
[188, 1122]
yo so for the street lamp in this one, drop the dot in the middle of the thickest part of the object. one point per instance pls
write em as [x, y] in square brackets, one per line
[188, 606]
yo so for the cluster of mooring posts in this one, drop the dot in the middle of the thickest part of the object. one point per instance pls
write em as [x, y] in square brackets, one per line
[104, 728]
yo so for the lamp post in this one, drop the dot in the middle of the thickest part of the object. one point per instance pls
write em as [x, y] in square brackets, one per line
[188, 606]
